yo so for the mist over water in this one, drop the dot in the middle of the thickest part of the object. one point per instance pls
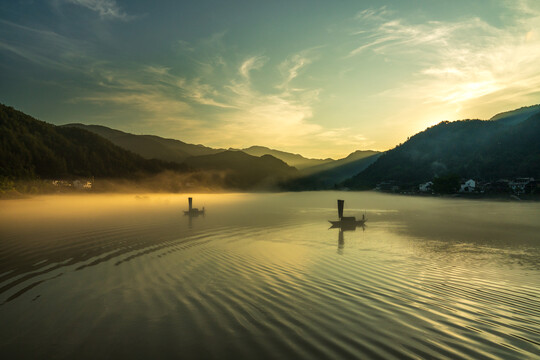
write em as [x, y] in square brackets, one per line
[263, 276]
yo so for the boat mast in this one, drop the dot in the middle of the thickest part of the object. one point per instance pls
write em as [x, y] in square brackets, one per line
[340, 204]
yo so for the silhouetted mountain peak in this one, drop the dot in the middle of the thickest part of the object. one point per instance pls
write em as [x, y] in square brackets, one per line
[296, 160]
[359, 154]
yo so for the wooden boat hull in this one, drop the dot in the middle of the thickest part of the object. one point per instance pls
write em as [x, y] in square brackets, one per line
[347, 224]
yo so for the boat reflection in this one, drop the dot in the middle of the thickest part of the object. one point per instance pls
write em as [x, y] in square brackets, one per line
[345, 227]
[192, 212]
[190, 218]
[341, 243]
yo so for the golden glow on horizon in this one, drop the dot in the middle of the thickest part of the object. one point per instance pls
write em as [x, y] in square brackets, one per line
[91, 206]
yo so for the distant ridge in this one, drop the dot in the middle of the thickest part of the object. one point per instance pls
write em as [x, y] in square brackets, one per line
[351, 158]
[296, 160]
[156, 147]
[330, 175]
[231, 169]
[149, 146]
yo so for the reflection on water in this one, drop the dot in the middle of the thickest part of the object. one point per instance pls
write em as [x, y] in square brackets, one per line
[259, 277]
[341, 242]
[341, 237]
[190, 218]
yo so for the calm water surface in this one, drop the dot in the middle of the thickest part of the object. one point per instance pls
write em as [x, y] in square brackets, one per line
[262, 276]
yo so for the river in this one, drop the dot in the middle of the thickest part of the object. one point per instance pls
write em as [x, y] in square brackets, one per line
[262, 276]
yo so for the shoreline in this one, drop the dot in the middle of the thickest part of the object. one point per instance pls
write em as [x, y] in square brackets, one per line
[16, 195]
[494, 197]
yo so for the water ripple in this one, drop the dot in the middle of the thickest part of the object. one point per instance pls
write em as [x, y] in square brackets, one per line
[160, 288]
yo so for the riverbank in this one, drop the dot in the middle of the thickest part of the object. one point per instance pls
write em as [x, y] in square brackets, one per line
[473, 196]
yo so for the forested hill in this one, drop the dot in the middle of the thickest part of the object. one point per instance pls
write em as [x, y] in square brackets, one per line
[243, 171]
[31, 148]
[476, 149]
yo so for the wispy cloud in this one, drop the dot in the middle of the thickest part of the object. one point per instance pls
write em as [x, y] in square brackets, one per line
[107, 9]
[459, 64]
[389, 70]
[269, 118]
[43, 47]
[251, 63]
[147, 96]
[241, 115]
[291, 68]
[370, 14]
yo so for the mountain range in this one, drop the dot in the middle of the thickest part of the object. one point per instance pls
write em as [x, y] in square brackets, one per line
[505, 146]
[155, 147]
[33, 149]
[315, 174]
[296, 160]
[149, 146]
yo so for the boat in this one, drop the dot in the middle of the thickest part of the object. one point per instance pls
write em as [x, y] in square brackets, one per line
[346, 222]
[193, 211]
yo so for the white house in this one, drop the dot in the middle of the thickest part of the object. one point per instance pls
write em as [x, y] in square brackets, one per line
[425, 187]
[468, 186]
[82, 184]
[87, 185]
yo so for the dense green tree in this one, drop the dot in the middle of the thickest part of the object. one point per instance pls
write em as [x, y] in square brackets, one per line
[446, 184]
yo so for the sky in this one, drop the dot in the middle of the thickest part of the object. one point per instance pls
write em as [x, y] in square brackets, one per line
[319, 78]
